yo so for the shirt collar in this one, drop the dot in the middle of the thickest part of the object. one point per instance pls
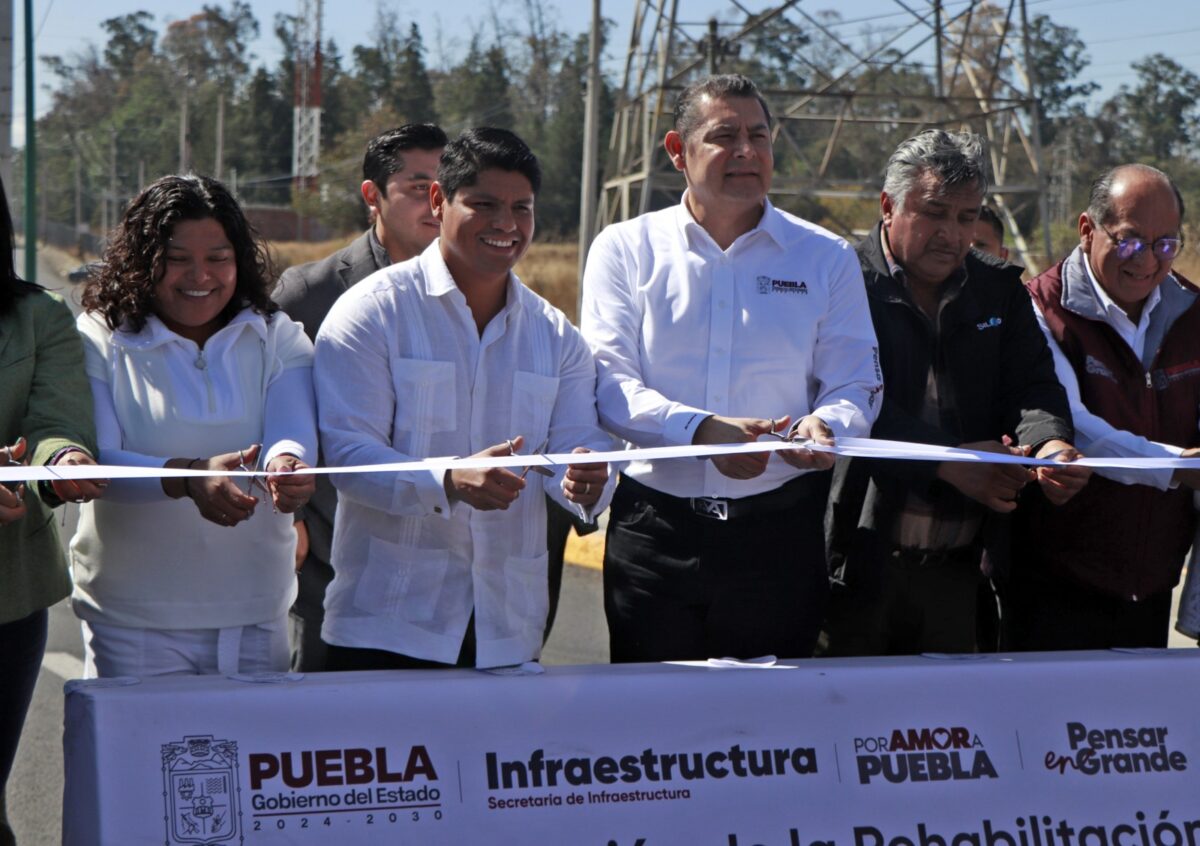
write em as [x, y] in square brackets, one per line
[439, 282]
[771, 223]
[1109, 304]
[955, 280]
[155, 333]
[382, 259]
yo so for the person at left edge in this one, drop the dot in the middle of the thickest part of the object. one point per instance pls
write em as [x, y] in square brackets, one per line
[45, 419]
[449, 354]
[191, 366]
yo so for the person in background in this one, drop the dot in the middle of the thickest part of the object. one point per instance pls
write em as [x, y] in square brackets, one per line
[398, 168]
[191, 365]
[988, 234]
[45, 419]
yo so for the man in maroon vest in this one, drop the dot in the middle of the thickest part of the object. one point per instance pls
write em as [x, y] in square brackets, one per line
[1097, 572]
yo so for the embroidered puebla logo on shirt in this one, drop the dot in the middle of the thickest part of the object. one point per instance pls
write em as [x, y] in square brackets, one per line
[767, 285]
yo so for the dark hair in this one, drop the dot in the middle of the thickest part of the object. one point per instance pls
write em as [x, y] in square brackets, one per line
[989, 216]
[123, 288]
[384, 151]
[1100, 201]
[955, 158]
[479, 149]
[687, 106]
[12, 286]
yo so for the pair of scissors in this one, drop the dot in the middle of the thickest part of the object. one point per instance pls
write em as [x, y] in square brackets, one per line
[538, 468]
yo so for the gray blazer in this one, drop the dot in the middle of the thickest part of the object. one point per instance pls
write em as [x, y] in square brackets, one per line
[306, 292]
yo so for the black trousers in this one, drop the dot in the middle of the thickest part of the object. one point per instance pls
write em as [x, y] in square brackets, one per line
[355, 658]
[919, 607]
[22, 644]
[1051, 614]
[681, 586]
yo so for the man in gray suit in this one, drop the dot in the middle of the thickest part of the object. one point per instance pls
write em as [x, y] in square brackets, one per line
[398, 168]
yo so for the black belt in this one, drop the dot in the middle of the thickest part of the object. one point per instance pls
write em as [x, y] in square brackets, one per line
[918, 558]
[786, 496]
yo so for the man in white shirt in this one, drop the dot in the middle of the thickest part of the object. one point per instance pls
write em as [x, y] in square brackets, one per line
[1125, 333]
[449, 354]
[722, 320]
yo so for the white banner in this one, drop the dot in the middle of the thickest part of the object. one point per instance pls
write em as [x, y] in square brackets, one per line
[1082, 749]
[849, 447]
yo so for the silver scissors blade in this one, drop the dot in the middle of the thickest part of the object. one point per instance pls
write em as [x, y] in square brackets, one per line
[538, 468]
[254, 480]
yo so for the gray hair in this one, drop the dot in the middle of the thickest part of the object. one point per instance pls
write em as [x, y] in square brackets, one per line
[955, 158]
[1100, 200]
[687, 106]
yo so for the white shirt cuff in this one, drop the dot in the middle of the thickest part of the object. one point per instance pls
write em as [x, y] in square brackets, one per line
[431, 490]
[682, 423]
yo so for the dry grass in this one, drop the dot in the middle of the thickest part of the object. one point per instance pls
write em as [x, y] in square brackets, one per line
[287, 253]
[1189, 265]
[553, 271]
[550, 269]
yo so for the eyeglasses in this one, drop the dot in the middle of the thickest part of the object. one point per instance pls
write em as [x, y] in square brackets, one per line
[1164, 249]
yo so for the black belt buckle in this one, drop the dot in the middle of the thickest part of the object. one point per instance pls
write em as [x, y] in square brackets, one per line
[714, 509]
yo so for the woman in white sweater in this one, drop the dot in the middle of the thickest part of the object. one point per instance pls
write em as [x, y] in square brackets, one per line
[191, 365]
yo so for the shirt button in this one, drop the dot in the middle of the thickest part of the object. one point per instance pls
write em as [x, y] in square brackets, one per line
[718, 397]
[437, 509]
[723, 304]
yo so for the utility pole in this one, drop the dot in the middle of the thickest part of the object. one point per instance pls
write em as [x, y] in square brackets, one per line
[220, 134]
[184, 158]
[6, 92]
[78, 204]
[30, 152]
[112, 172]
[591, 144]
[306, 113]
[1036, 124]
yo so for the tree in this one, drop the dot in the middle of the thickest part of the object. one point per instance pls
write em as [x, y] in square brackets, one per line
[210, 51]
[412, 89]
[1058, 57]
[1161, 113]
[476, 92]
[130, 43]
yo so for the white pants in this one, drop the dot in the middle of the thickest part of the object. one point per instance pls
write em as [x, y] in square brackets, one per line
[122, 651]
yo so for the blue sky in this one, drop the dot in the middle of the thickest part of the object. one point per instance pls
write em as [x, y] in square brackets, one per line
[1117, 32]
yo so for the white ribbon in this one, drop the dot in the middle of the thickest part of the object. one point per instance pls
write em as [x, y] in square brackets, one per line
[848, 447]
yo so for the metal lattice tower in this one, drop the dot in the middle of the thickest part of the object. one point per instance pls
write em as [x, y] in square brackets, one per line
[841, 103]
[306, 113]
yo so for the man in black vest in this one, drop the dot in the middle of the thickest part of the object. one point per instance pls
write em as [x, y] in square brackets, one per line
[963, 365]
[1125, 332]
